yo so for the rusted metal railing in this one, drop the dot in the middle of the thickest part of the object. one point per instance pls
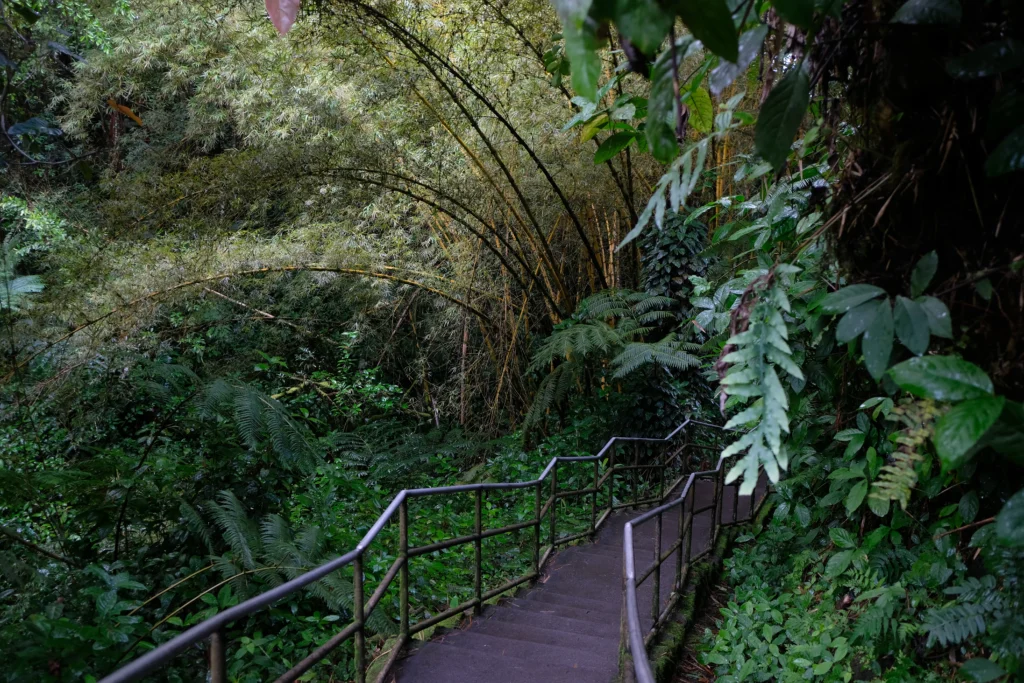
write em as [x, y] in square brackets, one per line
[636, 636]
[642, 473]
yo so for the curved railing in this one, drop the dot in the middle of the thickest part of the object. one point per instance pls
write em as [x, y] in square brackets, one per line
[645, 459]
[636, 635]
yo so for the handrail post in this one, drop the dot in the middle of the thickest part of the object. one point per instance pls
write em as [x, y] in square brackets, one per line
[661, 476]
[554, 500]
[403, 573]
[688, 523]
[636, 475]
[656, 594]
[478, 551]
[735, 503]
[357, 614]
[536, 530]
[611, 474]
[682, 533]
[218, 658]
[593, 502]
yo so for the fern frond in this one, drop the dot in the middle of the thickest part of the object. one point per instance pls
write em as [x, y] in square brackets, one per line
[668, 352]
[195, 523]
[239, 531]
[954, 624]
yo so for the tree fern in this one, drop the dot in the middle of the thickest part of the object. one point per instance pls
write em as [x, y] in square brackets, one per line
[262, 420]
[195, 523]
[238, 530]
[608, 330]
[670, 352]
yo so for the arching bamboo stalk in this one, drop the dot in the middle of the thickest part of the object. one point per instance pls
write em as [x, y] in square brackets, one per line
[412, 42]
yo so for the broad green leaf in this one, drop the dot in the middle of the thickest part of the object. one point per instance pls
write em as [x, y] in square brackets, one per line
[856, 496]
[981, 670]
[969, 505]
[942, 378]
[962, 427]
[846, 298]
[581, 47]
[749, 46]
[1008, 156]
[879, 506]
[1006, 112]
[612, 146]
[877, 341]
[663, 108]
[799, 12]
[822, 668]
[803, 514]
[781, 115]
[710, 21]
[939, 322]
[855, 445]
[929, 12]
[856, 320]
[838, 563]
[911, 324]
[842, 538]
[848, 435]
[988, 60]
[644, 22]
[702, 112]
[1010, 521]
[923, 273]
[105, 602]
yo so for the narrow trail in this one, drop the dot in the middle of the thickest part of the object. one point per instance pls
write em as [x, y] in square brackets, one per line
[565, 629]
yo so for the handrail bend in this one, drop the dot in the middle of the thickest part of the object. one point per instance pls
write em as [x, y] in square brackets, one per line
[214, 627]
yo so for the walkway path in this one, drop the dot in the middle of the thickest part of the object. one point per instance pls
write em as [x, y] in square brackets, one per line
[566, 628]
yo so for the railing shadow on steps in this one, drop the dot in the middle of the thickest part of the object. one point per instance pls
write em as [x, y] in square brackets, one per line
[638, 637]
[626, 482]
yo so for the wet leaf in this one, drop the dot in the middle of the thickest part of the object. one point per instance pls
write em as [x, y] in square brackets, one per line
[962, 427]
[942, 378]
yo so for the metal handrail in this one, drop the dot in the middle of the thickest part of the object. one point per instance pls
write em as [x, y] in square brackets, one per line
[636, 639]
[213, 628]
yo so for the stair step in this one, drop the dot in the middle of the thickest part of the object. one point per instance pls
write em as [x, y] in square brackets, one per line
[561, 618]
[508, 649]
[438, 662]
[535, 633]
[562, 607]
[555, 598]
